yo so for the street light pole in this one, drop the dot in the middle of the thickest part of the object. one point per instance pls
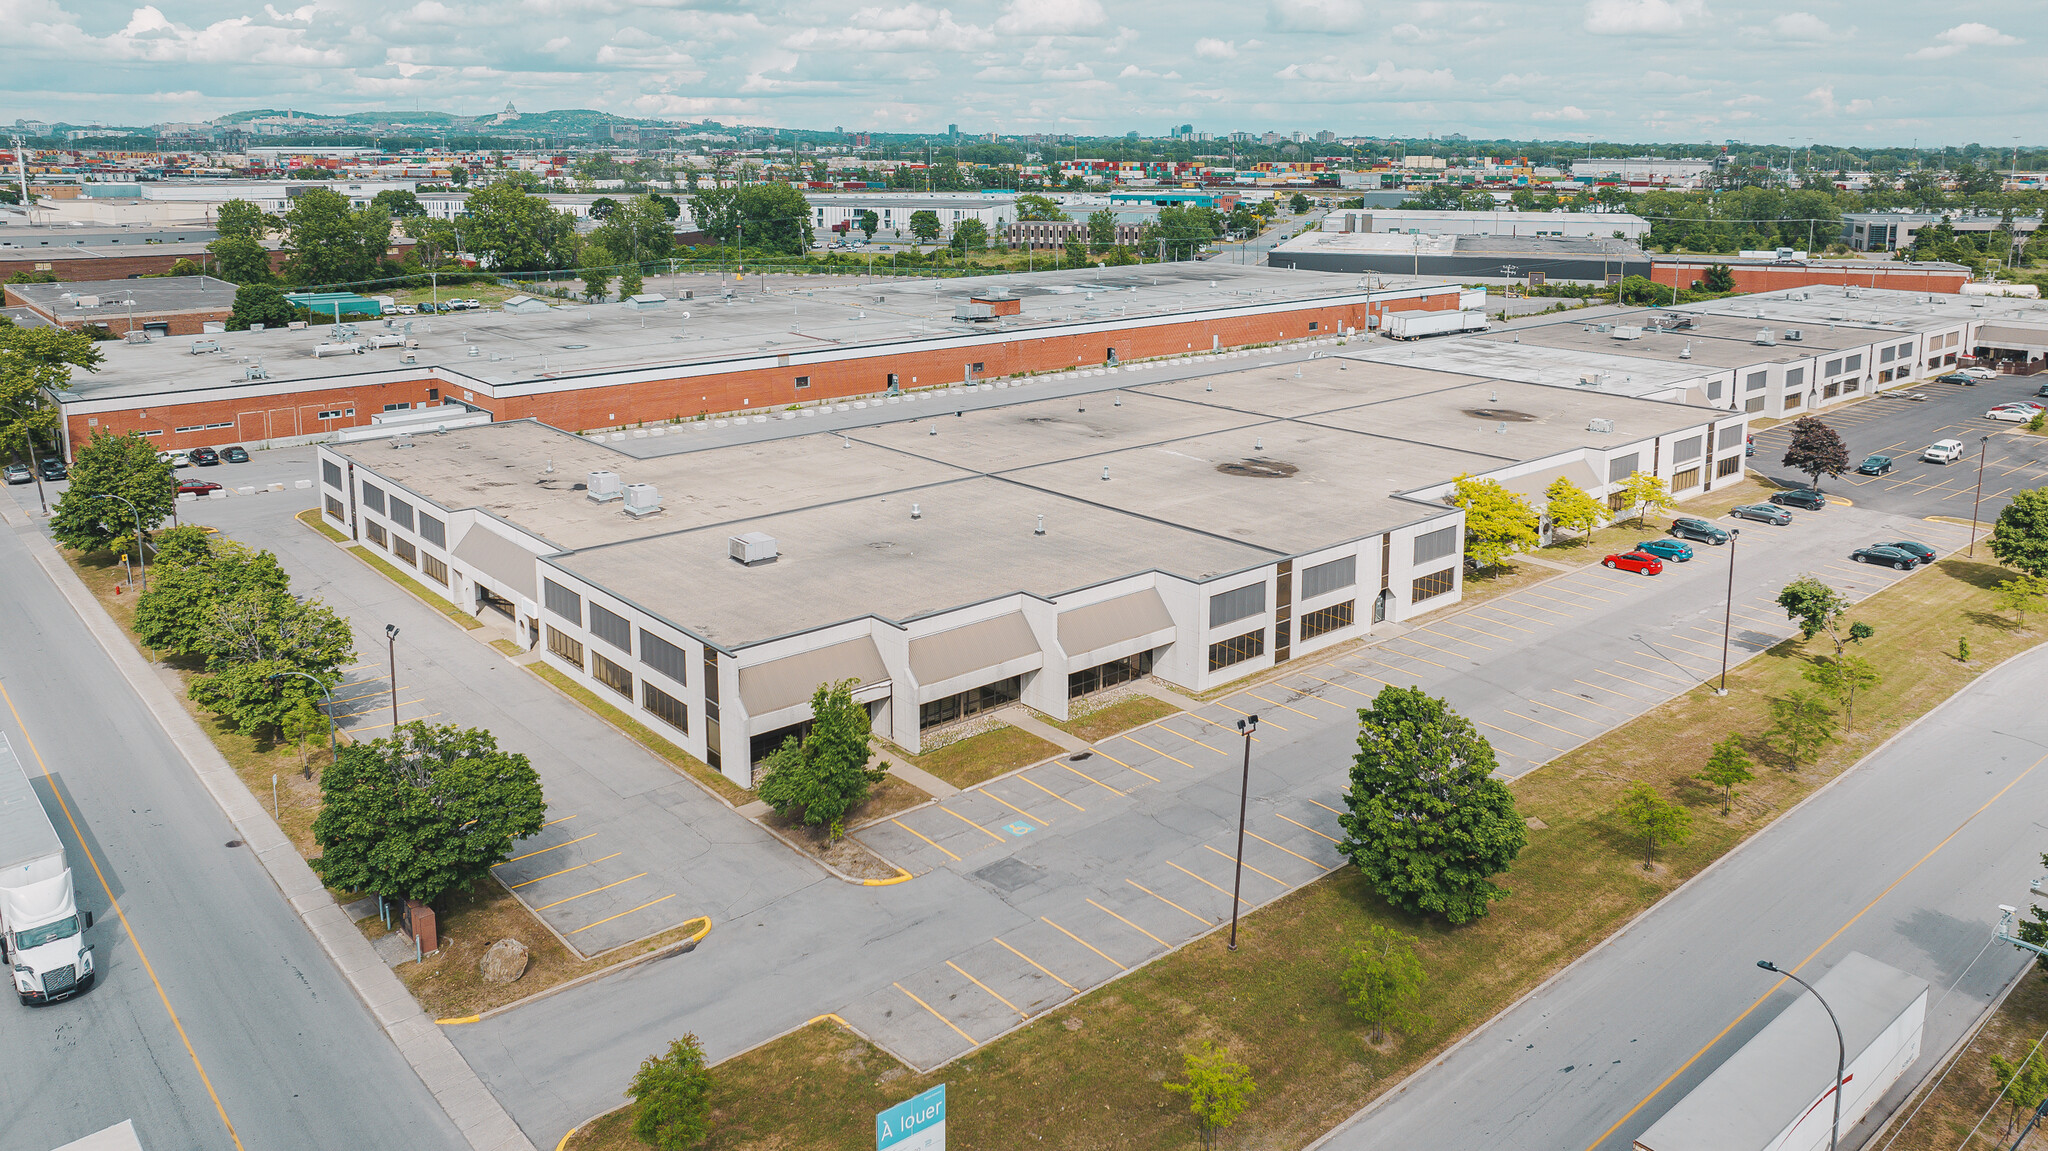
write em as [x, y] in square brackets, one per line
[1841, 1048]
[1983, 446]
[141, 563]
[1728, 611]
[333, 748]
[391, 641]
[1245, 727]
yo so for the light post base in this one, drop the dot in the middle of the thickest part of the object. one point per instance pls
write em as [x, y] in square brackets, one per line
[1720, 691]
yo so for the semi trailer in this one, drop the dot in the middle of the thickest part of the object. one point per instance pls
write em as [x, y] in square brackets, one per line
[42, 933]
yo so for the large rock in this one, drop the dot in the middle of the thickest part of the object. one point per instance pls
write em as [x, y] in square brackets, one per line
[505, 962]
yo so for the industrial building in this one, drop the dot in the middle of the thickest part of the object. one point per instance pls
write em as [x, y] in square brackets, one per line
[1890, 231]
[1506, 222]
[147, 308]
[952, 559]
[699, 346]
[1466, 258]
[1754, 274]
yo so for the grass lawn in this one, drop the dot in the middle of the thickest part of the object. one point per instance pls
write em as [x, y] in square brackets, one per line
[639, 733]
[1087, 1074]
[312, 518]
[467, 621]
[966, 762]
[1948, 1110]
[508, 647]
[1123, 715]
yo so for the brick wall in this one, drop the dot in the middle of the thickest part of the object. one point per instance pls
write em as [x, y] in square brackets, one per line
[143, 263]
[1900, 277]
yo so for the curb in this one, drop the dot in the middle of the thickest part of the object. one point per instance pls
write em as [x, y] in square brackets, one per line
[469, 1105]
[681, 946]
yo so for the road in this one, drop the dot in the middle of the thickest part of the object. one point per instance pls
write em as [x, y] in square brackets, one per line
[1904, 859]
[289, 1056]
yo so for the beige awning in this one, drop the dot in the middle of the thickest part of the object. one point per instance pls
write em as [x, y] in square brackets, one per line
[963, 651]
[2012, 337]
[789, 681]
[1532, 485]
[1113, 621]
[498, 560]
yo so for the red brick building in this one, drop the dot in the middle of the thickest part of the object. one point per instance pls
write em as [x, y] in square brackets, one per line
[1758, 275]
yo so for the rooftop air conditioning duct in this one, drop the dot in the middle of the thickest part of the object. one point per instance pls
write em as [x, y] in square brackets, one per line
[1605, 426]
[753, 549]
[1794, 335]
[1765, 337]
[642, 500]
[604, 487]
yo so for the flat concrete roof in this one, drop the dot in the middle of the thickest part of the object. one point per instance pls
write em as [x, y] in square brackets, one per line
[1816, 307]
[155, 295]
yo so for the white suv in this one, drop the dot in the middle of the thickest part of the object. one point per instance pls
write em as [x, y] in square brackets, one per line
[1942, 452]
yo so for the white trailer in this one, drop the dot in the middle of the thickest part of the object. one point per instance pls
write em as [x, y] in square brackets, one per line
[1415, 325]
[1776, 1092]
[42, 934]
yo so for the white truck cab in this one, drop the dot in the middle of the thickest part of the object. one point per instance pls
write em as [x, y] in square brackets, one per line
[42, 932]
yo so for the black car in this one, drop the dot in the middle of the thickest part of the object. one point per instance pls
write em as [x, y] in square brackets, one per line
[1921, 553]
[1874, 466]
[52, 468]
[1699, 530]
[1957, 378]
[204, 457]
[1805, 498]
[235, 455]
[1888, 556]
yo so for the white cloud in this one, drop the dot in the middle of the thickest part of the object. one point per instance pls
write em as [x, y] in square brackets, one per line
[1050, 17]
[1387, 78]
[1410, 34]
[1315, 15]
[1823, 99]
[1800, 28]
[556, 44]
[909, 28]
[1643, 17]
[1133, 72]
[1962, 36]
[1210, 48]
[1568, 112]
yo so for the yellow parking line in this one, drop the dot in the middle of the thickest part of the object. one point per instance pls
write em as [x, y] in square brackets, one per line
[564, 819]
[1562, 711]
[1654, 671]
[1474, 613]
[987, 988]
[592, 891]
[1054, 794]
[623, 914]
[1191, 739]
[1341, 687]
[1277, 847]
[1090, 779]
[1249, 867]
[1567, 603]
[1227, 707]
[1125, 766]
[564, 871]
[1551, 726]
[1410, 638]
[1129, 924]
[971, 823]
[1306, 827]
[1516, 614]
[1197, 878]
[1540, 607]
[1034, 963]
[923, 836]
[1081, 941]
[1582, 699]
[1276, 703]
[1569, 591]
[1390, 667]
[531, 854]
[375, 726]
[1609, 690]
[1014, 807]
[1156, 751]
[1324, 806]
[1689, 639]
[936, 1015]
[1452, 638]
[1517, 735]
[368, 695]
[1171, 903]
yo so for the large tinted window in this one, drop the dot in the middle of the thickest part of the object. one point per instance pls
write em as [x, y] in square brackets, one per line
[562, 601]
[1236, 604]
[1436, 545]
[611, 627]
[664, 657]
[1328, 577]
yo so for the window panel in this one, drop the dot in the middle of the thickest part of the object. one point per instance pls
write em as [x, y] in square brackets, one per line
[1730, 436]
[1328, 577]
[402, 549]
[331, 473]
[1434, 584]
[1329, 619]
[566, 646]
[1728, 467]
[1437, 544]
[1250, 645]
[611, 627]
[1621, 467]
[664, 657]
[376, 533]
[665, 707]
[1687, 449]
[611, 675]
[433, 531]
[435, 570]
[562, 601]
[334, 509]
[373, 498]
[1236, 604]
[401, 513]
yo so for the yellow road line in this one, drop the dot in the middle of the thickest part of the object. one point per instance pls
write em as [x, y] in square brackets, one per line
[1410, 638]
[936, 1015]
[564, 819]
[623, 914]
[1083, 775]
[1191, 739]
[1034, 963]
[592, 891]
[1227, 707]
[1562, 711]
[1581, 699]
[1125, 766]
[971, 823]
[1609, 690]
[1171, 903]
[1277, 847]
[1452, 638]
[1517, 735]
[987, 988]
[1324, 806]
[1273, 703]
[1081, 941]
[1014, 807]
[1129, 924]
[148, 967]
[1551, 726]
[564, 871]
[545, 850]
[1249, 867]
[1340, 687]
[1197, 878]
[923, 836]
[1156, 751]
[1054, 794]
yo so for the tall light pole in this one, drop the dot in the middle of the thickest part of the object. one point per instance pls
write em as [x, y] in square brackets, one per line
[1983, 446]
[1245, 727]
[1841, 1048]
[333, 749]
[1728, 612]
[391, 641]
[141, 564]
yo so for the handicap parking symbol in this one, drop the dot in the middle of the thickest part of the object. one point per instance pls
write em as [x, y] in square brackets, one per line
[1020, 827]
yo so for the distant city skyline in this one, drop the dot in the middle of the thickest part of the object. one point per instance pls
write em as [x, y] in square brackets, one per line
[1834, 72]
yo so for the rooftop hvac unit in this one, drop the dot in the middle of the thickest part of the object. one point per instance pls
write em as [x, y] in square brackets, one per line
[1603, 328]
[201, 347]
[1626, 332]
[1794, 335]
[1765, 337]
[642, 500]
[753, 549]
[1603, 426]
[1591, 379]
[604, 487]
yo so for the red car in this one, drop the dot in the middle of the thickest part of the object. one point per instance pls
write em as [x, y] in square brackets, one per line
[196, 487]
[1641, 562]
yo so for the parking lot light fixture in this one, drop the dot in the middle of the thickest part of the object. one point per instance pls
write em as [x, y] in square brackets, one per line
[1245, 727]
[1728, 611]
[391, 641]
[1841, 1048]
[141, 563]
[1983, 446]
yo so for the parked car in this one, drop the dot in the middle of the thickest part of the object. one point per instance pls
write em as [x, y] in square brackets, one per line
[18, 473]
[1805, 498]
[1766, 513]
[1919, 551]
[1874, 466]
[205, 457]
[2011, 414]
[1694, 528]
[2043, 390]
[235, 455]
[1957, 378]
[1642, 563]
[1889, 556]
[1672, 550]
[52, 468]
[197, 487]
[1980, 373]
[408, 310]
[1942, 452]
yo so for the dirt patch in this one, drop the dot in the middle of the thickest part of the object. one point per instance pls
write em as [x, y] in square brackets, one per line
[998, 751]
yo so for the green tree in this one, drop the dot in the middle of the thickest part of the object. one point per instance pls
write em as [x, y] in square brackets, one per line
[1299, 203]
[1816, 450]
[1426, 822]
[180, 546]
[596, 283]
[1181, 233]
[1101, 230]
[259, 304]
[240, 260]
[35, 366]
[1841, 678]
[1217, 1089]
[302, 724]
[240, 219]
[1654, 818]
[330, 243]
[2020, 538]
[268, 624]
[1720, 279]
[868, 222]
[631, 282]
[1801, 725]
[1076, 252]
[1498, 522]
[174, 614]
[1645, 492]
[775, 218]
[601, 209]
[970, 235]
[1383, 981]
[1570, 507]
[434, 242]
[2024, 1084]
[1030, 207]
[257, 699]
[2022, 594]
[398, 203]
[1728, 768]
[124, 466]
[924, 224]
[510, 229]
[672, 1097]
[424, 811]
[635, 231]
[1820, 608]
[825, 775]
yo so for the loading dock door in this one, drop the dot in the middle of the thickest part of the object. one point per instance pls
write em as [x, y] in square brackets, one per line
[486, 598]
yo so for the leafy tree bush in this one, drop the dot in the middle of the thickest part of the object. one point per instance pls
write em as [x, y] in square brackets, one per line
[1841, 678]
[1820, 608]
[424, 811]
[924, 224]
[1383, 981]
[2024, 1084]
[1217, 1090]
[1816, 450]
[124, 466]
[2020, 538]
[1645, 492]
[240, 219]
[257, 699]
[1498, 522]
[1571, 507]
[825, 775]
[2022, 594]
[1654, 818]
[240, 260]
[175, 613]
[331, 243]
[1728, 768]
[34, 364]
[257, 303]
[1427, 824]
[1720, 278]
[672, 1097]
[970, 235]
[1801, 725]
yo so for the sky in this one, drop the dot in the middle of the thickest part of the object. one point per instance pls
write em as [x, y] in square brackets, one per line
[1878, 72]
